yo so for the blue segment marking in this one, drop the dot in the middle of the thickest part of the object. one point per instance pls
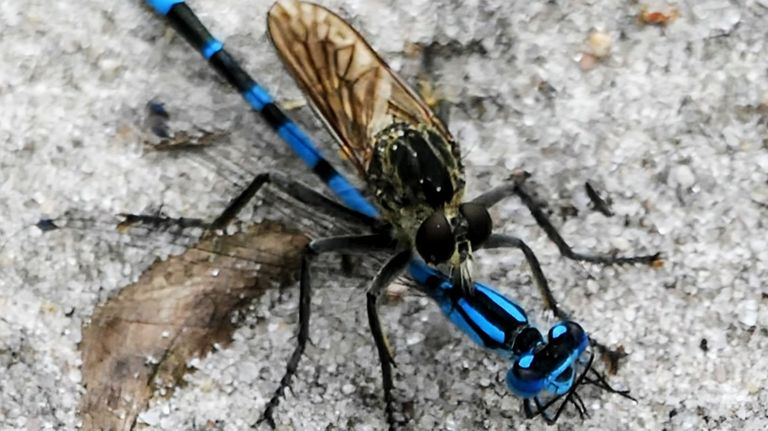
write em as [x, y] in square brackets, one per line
[210, 48]
[163, 6]
[303, 147]
[482, 322]
[525, 361]
[554, 384]
[351, 196]
[257, 97]
[299, 142]
[457, 319]
[558, 330]
[502, 301]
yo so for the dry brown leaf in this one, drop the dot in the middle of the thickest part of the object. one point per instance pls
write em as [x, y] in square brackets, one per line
[142, 339]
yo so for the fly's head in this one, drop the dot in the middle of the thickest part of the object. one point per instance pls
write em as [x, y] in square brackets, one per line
[417, 178]
[448, 237]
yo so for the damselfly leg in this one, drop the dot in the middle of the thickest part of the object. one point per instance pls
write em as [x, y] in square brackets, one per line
[587, 376]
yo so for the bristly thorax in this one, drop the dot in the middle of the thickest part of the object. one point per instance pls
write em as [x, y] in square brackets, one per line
[413, 172]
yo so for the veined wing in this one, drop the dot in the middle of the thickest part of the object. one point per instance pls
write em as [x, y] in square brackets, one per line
[352, 88]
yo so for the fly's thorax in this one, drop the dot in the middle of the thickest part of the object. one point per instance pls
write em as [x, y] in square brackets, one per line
[413, 172]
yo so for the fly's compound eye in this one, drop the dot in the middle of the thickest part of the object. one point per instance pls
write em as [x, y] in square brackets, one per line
[478, 221]
[434, 239]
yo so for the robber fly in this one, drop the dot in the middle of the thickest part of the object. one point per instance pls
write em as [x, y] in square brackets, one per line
[410, 162]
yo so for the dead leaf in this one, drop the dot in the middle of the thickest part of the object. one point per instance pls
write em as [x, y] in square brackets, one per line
[141, 340]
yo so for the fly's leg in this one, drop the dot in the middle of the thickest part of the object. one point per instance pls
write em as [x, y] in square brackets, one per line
[349, 244]
[394, 267]
[303, 194]
[296, 190]
[517, 187]
[507, 241]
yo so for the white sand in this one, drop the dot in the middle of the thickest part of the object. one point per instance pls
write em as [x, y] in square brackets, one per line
[672, 125]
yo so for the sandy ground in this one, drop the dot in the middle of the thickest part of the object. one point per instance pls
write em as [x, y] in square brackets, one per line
[671, 125]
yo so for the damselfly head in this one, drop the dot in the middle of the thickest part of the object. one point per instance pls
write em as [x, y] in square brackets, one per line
[549, 369]
[549, 377]
[451, 239]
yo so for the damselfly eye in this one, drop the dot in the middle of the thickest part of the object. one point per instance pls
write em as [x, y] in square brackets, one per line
[478, 221]
[434, 239]
[568, 331]
[565, 376]
[524, 378]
